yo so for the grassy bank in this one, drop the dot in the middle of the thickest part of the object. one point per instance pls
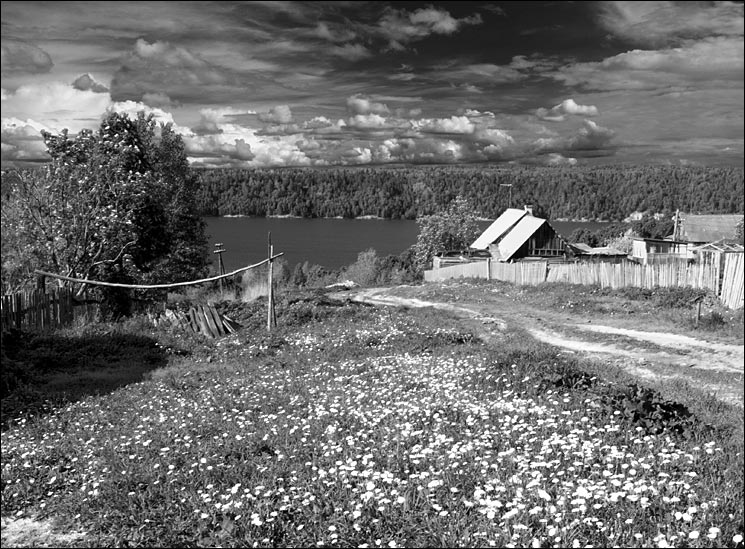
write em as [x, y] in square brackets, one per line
[357, 426]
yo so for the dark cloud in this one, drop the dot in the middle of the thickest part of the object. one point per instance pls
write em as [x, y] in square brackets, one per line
[86, 82]
[21, 57]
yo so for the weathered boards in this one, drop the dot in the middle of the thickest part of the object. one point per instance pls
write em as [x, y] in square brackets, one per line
[202, 319]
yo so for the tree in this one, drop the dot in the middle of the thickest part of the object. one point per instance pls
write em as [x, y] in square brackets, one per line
[453, 229]
[739, 232]
[115, 205]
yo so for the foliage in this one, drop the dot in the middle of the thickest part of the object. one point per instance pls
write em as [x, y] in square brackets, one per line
[118, 204]
[651, 227]
[740, 232]
[580, 192]
[452, 229]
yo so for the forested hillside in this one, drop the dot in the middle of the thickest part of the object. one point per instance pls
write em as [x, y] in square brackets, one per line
[602, 193]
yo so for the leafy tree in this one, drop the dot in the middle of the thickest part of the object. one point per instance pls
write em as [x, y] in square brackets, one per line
[739, 232]
[453, 229]
[115, 205]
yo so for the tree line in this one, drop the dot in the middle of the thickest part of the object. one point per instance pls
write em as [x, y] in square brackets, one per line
[607, 193]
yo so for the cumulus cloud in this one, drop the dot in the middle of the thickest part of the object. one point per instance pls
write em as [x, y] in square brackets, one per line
[454, 124]
[568, 106]
[86, 82]
[281, 114]
[591, 137]
[21, 141]
[213, 146]
[21, 57]
[668, 23]
[367, 121]
[59, 105]
[556, 159]
[361, 104]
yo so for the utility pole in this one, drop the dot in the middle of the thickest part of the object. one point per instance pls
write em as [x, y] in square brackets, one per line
[509, 204]
[220, 267]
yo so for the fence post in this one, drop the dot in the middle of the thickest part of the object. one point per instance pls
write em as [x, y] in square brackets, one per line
[270, 300]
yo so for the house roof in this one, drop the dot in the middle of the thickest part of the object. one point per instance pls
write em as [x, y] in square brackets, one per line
[708, 228]
[518, 235]
[496, 230]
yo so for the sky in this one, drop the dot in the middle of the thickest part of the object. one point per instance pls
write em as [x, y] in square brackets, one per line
[272, 84]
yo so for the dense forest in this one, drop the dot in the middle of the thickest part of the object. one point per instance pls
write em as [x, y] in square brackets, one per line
[605, 193]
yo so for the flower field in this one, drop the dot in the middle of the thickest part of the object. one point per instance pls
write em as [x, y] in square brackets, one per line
[378, 428]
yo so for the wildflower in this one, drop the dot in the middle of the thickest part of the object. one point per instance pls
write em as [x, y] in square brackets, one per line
[693, 534]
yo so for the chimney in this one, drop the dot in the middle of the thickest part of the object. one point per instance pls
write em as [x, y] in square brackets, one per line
[529, 209]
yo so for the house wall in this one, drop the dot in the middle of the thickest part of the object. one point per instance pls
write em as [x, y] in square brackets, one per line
[544, 243]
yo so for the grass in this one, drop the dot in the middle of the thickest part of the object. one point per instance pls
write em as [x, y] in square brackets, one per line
[356, 426]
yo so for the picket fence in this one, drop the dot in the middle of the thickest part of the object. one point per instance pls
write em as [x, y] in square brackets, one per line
[724, 278]
[37, 310]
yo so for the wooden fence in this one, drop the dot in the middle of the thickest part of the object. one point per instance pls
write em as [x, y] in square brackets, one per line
[37, 310]
[725, 278]
[733, 281]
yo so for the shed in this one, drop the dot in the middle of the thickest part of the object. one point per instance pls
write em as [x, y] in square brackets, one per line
[517, 234]
[605, 254]
[658, 250]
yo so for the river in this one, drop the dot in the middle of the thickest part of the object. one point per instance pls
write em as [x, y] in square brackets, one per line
[332, 243]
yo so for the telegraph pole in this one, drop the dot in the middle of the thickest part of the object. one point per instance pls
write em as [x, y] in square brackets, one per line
[220, 266]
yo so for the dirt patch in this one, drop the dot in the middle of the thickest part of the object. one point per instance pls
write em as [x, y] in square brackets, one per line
[647, 354]
[26, 532]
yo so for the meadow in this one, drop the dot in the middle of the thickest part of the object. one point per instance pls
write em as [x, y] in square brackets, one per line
[356, 426]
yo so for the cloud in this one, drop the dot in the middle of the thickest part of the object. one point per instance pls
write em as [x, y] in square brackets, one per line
[22, 142]
[59, 105]
[161, 67]
[86, 82]
[281, 114]
[351, 52]
[591, 137]
[158, 99]
[556, 159]
[213, 146]
[454, 124]
[21, 57]
[400, 27]
[360, 104]
[707, 63]
[367, 121]
[671, 23]
[334, 33]
[568, 106]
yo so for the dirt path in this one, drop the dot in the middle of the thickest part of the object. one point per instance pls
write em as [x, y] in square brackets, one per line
[649, 355]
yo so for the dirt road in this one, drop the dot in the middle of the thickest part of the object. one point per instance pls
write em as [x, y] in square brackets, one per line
[713, 366]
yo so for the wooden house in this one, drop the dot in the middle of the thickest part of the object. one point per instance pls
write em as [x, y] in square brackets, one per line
[658, 250]
[517, 235]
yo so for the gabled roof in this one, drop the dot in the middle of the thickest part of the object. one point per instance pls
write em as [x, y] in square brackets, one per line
[524, 229]
[708, 228]
[497, 229]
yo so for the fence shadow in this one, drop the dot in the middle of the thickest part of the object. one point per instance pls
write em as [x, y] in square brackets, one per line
[41, 372]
